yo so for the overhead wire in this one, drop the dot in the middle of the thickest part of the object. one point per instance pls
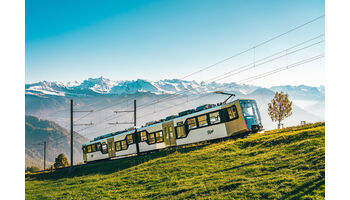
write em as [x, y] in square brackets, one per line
[228, 58]
[242, 68]
[239, 82]
[253, 78]
[245, 66]
[258, 45]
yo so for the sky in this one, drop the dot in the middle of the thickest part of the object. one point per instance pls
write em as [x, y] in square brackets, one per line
[155, 40]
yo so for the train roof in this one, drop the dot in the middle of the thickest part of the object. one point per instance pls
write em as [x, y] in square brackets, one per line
[125, 132]
[199, 110]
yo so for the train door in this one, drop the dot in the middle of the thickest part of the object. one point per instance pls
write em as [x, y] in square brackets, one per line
[111, 148]
[84, 154]
[169, 134]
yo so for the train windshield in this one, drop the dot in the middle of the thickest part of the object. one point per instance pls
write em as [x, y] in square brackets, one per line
[251, 113]
[247, 109]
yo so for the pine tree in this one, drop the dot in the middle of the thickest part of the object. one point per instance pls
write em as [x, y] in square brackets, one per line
[280, 107]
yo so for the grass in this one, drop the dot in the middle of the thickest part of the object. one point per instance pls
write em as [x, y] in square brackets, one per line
[280, 164]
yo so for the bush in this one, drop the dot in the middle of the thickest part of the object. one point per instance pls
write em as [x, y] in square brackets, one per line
[32, 169]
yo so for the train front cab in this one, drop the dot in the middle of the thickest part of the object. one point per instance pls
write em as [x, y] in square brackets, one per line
[247, 121]
[251, 115]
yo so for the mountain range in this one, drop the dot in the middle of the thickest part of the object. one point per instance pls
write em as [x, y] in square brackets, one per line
[105, 86]
[50, 100]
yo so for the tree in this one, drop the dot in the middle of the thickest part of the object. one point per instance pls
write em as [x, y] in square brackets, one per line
[280, 107]
[61, 161]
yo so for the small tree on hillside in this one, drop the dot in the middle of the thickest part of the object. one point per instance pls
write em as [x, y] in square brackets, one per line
[280, 107]
[61, 161]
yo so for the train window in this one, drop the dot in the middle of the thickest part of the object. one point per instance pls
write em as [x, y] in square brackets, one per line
[123, 142]
[89, 149]
[159, 136]
[118, 146]
[232, 112]
[98, 147]
[214, 118]
[143, 135]
[192, 123]
[247, 109]
[130, 139]
[166, 131]
[202, 120]
[152, 138]
[93, 147]
[180, 132]
[104, 148]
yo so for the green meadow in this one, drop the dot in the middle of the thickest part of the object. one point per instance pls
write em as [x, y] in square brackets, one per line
[281, 164]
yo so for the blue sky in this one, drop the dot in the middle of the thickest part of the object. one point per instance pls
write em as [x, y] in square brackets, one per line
[76, 40]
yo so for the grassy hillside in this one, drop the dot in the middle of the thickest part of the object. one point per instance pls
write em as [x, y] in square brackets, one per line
[284, 164]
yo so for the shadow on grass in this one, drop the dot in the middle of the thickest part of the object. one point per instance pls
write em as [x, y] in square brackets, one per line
[305, 189]
[110, 166]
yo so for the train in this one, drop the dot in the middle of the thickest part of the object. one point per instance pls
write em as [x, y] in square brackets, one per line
[204, 123]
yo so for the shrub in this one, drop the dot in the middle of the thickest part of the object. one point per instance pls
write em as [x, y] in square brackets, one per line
[32, 169]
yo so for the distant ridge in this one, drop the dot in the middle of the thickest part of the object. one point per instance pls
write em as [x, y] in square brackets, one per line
[57, 139]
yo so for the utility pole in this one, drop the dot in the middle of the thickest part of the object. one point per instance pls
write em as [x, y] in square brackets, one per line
[135, 133]
[71, 135]
[44, 155]
[135, 113]
[71, 131]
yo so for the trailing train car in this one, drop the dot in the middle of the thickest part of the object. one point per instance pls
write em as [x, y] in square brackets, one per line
[205, 123]
[113, 145]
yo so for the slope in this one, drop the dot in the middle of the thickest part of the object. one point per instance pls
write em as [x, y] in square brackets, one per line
[38, 130]
[280, 164]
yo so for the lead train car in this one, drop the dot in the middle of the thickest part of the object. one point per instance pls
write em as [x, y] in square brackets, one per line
[237, 117]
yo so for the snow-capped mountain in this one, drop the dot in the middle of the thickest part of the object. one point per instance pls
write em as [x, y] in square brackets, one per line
[50, 100]
[104, 86]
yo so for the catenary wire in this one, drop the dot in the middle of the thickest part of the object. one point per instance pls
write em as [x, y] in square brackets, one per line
[243, 68]
[241, 82]
[230, 57]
